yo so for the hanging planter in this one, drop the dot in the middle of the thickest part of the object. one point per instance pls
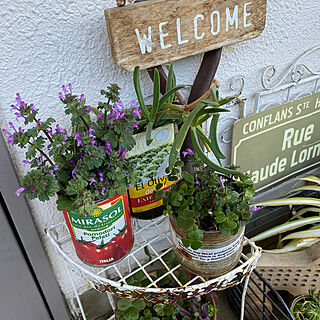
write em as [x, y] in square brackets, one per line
[105, 236]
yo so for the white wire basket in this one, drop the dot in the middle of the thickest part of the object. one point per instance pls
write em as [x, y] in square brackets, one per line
[151, 246]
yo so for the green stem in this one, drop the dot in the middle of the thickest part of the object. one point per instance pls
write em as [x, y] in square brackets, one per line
[84, 122]
[44, 131]
[105, 116]
[39, 150]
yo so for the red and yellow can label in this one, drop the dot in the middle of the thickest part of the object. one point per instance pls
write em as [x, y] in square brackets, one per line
[105, 236]
[141, 198]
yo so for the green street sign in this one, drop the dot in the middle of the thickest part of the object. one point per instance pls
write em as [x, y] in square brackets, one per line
[278, 143]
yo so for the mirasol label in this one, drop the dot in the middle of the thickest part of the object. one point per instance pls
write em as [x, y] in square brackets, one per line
[280, 142]
[101, 229]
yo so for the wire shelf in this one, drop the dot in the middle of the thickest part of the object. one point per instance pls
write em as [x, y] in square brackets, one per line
[151, 246]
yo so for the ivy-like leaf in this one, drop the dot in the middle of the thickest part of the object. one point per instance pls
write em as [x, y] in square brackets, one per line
[196, 244]
[124, 304]
[185, 224]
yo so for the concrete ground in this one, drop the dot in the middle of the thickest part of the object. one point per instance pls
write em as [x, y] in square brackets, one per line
[224, 310]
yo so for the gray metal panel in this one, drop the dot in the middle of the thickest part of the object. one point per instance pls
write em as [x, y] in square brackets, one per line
[19, 296]
[28, 234]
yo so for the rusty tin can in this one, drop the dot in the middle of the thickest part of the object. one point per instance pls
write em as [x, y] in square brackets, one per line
[105, 237]
[218, 254]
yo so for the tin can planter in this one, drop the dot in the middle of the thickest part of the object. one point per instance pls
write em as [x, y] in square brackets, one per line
[104, 237]
[150, 163]
[218, 254]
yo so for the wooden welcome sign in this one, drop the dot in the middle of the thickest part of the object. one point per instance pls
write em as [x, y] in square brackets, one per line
[157, 31]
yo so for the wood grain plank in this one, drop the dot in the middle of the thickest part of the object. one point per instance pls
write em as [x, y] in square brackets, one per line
[173, 29]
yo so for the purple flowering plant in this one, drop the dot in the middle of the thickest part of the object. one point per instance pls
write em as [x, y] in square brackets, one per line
[81, 165]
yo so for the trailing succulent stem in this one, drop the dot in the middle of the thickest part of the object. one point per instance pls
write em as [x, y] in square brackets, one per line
[190, 117]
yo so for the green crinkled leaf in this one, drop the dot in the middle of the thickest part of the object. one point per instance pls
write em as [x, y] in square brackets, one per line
[168, 309]
[159, 309]
[139, 304]
[131, 314]
[185, 224]
[76, 186]
[196, 244]
[64, 203]
[186, 214]
[186, 242]
[229, 224]
[187, 177]
[220, 218]
[147, 313]
[232, 216]
[124, 304]
[179, 163]
[195, 235]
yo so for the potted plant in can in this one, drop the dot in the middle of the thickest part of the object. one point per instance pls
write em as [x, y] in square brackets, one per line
[86, 167]
[208, 212]
[155, 135]
[162, 115]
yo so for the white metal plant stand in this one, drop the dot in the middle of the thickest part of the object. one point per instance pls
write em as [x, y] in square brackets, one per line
[152, 243]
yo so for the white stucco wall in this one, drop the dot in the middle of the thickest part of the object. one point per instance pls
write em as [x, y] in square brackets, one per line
[44, 44]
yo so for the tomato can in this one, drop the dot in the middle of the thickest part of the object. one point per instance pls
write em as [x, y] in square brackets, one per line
[104, 237]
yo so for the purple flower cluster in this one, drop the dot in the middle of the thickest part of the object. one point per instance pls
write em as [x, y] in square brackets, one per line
[65, 92]
[254, 209]
[108, 147]
[118, 112]
[11, 135]
[187, 152]
[17, 193]
[77, 137]
[222, 181]
[122, 153]
[94, 181]
[55, 168]
[20, 107]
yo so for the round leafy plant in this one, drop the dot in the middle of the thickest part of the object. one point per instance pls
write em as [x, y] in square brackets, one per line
[205, 200]
[189, 309]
